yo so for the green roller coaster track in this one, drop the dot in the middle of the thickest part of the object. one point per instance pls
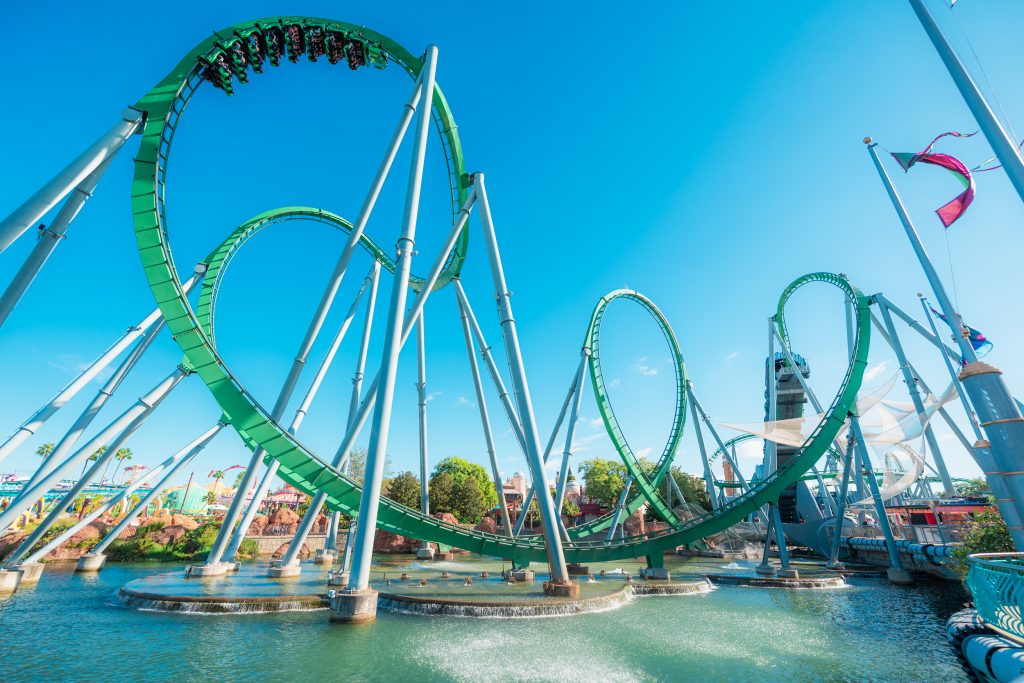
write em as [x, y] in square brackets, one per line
[299, 466]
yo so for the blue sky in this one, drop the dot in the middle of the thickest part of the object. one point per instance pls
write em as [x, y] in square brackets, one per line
[703, 156]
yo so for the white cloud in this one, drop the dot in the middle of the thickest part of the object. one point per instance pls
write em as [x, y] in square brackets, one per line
[614, 383]
[732, 356]
[875, 370]
[432, 395]
[643, 453]
[643, 368]
[464, 402]
[586, 443]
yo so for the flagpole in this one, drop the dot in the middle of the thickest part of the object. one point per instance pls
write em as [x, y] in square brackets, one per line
[1002, 144]
[1001, 456]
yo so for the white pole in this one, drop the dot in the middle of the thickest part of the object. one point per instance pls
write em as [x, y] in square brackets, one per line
[32, 424]
[549, 518]
[376, 451]
[36, 206]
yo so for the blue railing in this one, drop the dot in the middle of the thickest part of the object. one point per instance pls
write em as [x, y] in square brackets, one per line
[996, 580]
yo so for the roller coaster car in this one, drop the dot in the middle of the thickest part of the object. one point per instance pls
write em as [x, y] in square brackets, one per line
[296, 42]
[255, 47]
[315, 47]
[273, 40]
[355, 52]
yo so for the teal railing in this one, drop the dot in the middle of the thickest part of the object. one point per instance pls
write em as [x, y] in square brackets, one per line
[996, 580]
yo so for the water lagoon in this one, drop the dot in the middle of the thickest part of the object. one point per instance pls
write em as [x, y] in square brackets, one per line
[866, 631]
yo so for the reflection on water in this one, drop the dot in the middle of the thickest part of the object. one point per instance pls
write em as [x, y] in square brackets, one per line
[870, 631]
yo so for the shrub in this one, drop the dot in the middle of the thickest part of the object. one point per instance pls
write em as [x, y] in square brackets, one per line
[197, 542]
[985, 533]
[132, 550]
[247, 550]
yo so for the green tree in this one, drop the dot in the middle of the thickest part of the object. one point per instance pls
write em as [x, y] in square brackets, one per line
[985, 533]
[121, 455]
[100, 452]
[217, 476]
[692, 487]
[460, 470]
[442, 492]
[45, 450]
[974, 488]
[603, 480]
[357, 464]
[404, 489]
[470, 501]
[238, 479]
[570, 509]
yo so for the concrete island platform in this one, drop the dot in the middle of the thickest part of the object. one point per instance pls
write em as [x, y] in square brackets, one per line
[468, 587]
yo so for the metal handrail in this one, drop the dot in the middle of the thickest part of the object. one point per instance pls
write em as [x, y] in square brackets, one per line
[996, 581]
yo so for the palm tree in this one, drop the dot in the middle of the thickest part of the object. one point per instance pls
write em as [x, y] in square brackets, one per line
[217, 476]
[238, 479]
[100, 452]
[45, 450]
[121, 455]
[97, 454]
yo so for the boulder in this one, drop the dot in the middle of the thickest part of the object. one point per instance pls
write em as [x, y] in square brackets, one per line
[257, 525]
[447, 517]
[321, 523]
[487, 525]
[283, 516]
[387, 542]
[10, 542]
[162, 515]
[184, 521]
[304, 551]
[169, 534]
[634, 524]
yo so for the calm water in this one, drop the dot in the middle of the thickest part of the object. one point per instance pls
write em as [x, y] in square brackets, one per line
[71, 627]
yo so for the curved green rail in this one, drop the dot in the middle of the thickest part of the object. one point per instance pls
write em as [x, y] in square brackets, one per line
[298, 464]
[729, 443]
[647, 487]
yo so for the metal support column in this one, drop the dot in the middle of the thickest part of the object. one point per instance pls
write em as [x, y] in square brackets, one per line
[915, 397]
[549, 518]
[421, 392]
[377, 449]
[36, 206]
[485, 421]
[998, 413]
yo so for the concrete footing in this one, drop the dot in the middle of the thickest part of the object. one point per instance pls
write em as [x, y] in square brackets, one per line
[8, 581]
[444, 557]
[656, 573]
[836, 566]
[765, 570]
[561, 589]
[424, 553]
[284, 571]
[337, 578]
[788, 574]
[353, 607]
[233, 566]
[325, 557]
[576, 569]
[201, 570]
[30, 573]
[900, 577]
[526, 575]
[91, 562]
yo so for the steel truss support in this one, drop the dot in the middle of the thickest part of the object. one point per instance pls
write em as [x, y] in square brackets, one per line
[532, 492]
[485, 420]
[321, 312]
[174, 463]
[32, 424]
[124, 426]
[421, 395]
[549, 517]
[915, 397]
[998, 413]
[180, 460]
[844, 487]
[709, 477]
[376, 452]
[36, 206]
[868, 474]
[313, 511]
[47, 241]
